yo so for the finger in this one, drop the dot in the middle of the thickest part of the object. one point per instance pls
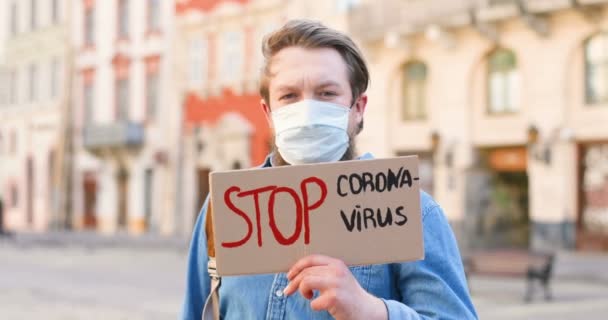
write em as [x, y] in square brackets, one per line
[325, 301]
[309, 261]
[295, 283]
[319, 283]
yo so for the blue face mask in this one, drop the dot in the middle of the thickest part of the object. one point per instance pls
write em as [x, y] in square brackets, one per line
[311, 131]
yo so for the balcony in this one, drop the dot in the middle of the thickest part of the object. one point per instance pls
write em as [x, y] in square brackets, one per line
[371, 20]
[113, 136]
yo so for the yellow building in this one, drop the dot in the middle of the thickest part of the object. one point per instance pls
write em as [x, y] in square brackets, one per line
[506, 102]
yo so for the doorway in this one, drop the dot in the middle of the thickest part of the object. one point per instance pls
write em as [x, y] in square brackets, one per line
[497, 200]
[592, 222]
[148, 198]
[29, 201]
[89, 186]
[122, 179]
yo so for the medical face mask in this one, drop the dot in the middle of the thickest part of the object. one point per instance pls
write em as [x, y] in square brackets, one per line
[311, 131]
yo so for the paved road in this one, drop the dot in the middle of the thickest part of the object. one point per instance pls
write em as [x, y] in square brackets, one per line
[78, 283]
[503, 299]
[146, 282]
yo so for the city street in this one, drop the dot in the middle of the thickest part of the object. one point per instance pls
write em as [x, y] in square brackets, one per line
[88, 281]
[80, 283]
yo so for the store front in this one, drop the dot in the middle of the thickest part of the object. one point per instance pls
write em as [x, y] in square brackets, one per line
[592, 222]
[497, 199]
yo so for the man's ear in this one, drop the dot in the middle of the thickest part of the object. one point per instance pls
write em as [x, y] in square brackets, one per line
[267, 112]
[359, 107]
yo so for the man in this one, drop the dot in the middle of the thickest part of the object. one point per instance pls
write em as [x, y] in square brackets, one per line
[313, 94]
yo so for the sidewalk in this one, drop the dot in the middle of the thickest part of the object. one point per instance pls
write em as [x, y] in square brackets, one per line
[569, 265]
[94, 240]
[582, 266]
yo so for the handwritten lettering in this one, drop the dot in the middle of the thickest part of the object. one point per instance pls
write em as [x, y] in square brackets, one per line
[304, 206]
[357, 183]
[369, 218]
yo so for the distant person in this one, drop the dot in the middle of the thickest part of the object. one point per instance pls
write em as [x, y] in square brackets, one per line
[1, 217]
[313, 93]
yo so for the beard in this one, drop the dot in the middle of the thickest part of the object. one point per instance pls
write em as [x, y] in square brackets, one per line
[349, 154]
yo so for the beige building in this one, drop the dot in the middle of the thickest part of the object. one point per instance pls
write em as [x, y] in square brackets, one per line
[123, 117]
[33, 62]
[506, 103]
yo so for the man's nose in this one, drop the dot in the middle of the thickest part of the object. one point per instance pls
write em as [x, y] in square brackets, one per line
[308, 94]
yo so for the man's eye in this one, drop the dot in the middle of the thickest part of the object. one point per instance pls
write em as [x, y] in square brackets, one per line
[328, 94]
[287, 96]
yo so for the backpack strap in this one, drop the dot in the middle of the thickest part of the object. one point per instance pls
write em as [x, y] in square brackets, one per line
[211, 311]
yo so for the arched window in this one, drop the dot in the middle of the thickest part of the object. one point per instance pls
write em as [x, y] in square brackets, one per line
[596, 69]
[414, 91]
[503, 82]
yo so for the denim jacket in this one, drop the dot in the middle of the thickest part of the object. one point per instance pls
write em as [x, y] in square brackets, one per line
[433, 288]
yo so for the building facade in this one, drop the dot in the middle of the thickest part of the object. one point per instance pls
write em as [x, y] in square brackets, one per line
[33, 96]
[505, 104]
[124, 116]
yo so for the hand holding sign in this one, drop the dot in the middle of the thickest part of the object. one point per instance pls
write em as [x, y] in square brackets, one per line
[362, 212]
[339, 292]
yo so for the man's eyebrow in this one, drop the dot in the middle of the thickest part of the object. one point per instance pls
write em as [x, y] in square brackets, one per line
[286, 87]
[328, 83]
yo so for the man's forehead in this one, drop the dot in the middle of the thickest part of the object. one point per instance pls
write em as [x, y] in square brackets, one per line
[295, 65]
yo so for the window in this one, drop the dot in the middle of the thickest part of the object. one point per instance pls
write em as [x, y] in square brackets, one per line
[344, 6]
[123, 19]
[55, 11]
[153, 15]
[54, 78]
[122, 99]
[596, 69]
[87, 102]
[414, 91]
[232, 57]
[33, 14]
[14, 19]
[503, 82]
[197, 61]
[152, 92]
[152, 86]
[89, 26]
[32, 83]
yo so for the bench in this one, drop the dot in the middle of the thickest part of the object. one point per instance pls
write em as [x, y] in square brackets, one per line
[513, 263]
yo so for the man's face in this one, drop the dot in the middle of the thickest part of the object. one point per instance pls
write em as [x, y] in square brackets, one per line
[320, 74]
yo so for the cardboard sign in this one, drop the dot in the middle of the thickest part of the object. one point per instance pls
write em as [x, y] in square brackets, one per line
[362, 212]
